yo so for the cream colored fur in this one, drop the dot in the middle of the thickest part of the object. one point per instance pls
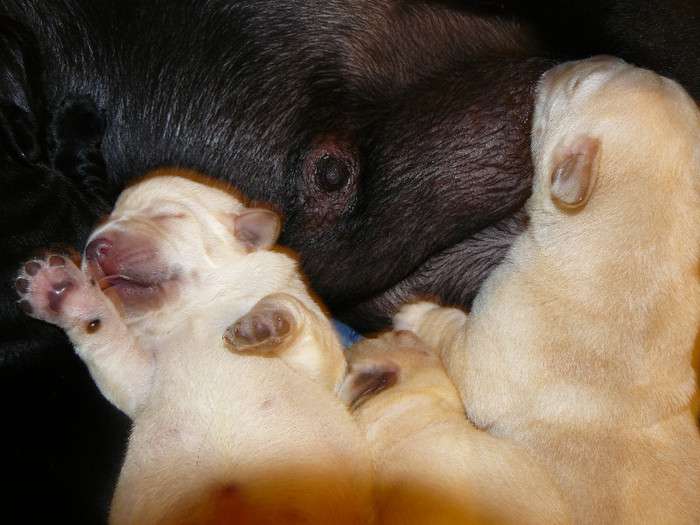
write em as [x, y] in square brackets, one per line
[580, 344]
[221, 434]
[433, 466]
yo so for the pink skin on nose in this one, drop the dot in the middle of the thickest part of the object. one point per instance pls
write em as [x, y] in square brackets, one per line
[96, 253]
[129, 269]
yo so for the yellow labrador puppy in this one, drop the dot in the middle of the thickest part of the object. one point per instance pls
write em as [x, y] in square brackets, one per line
[224, 432]
[580, 344]
[433, 466]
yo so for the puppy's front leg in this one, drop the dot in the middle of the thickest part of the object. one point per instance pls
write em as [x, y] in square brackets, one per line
[56, 291]
[439, 327]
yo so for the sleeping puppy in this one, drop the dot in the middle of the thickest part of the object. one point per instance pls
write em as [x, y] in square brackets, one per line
[222, 429]
[432, 464]
[580, 345]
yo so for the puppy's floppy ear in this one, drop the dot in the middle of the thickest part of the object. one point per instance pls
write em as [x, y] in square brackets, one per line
[575, 173]
[257, 228]
[367, 378]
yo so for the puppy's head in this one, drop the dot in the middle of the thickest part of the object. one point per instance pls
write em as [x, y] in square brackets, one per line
[616, 151]
[171, 233]
[396, 361]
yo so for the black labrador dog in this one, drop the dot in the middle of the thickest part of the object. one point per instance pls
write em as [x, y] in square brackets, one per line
[392, 136]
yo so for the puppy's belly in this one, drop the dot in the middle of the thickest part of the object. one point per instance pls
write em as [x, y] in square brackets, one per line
[246, 428]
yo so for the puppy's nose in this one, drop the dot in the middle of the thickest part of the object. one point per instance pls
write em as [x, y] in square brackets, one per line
[98, 249]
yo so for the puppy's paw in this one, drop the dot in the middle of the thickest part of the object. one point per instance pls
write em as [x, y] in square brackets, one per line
[410, 316]
[268, 324]
[54, 290]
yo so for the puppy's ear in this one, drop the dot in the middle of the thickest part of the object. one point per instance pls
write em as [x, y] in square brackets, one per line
[368, 378]
[575, 174]
[257, 228]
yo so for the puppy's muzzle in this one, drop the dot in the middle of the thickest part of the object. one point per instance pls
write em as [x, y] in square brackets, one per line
[129, 269]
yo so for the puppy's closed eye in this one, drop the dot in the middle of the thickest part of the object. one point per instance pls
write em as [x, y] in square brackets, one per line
[169, 216]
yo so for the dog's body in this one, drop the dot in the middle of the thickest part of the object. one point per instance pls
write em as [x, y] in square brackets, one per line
[432, 464]
[221, 430]
[580, 345]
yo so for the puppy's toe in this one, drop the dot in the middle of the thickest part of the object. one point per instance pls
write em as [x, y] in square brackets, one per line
[410, 315]
[263, 328]
[44, 286]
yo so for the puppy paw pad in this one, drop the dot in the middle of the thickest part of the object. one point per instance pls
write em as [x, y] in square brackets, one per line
[260, 327]
[22, 285]
[32, 268]
[44, 285]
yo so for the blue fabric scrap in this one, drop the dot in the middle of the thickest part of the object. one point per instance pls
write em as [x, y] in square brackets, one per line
[348, 336]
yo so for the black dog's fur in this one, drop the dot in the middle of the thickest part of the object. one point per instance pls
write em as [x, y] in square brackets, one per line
[661, 36]
[53, 181]
[394, 136]
[53, 190]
